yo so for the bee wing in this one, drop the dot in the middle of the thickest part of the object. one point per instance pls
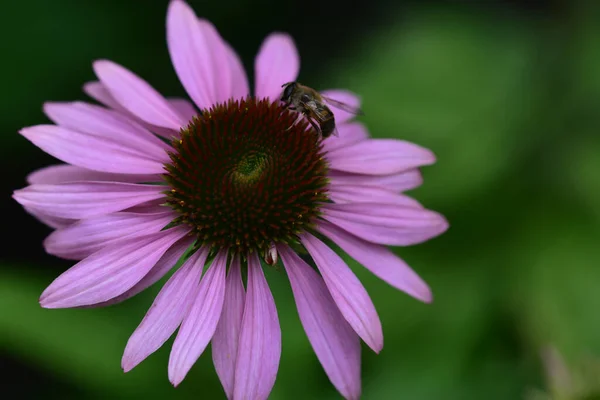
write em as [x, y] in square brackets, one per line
[319, 112]
[343, 106]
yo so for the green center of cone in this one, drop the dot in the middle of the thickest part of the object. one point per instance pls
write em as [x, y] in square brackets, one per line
[250, 168]
[242, 179]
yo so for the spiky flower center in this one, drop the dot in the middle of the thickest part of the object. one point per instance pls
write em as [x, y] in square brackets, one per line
[243, 179]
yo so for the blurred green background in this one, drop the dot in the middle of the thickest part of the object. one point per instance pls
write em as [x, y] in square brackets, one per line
[506, 93]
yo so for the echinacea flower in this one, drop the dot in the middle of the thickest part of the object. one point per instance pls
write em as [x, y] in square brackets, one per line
[151, 182]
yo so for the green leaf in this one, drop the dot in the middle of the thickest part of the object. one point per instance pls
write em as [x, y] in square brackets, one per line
[555, 280]
[458, 84]
[85, 346]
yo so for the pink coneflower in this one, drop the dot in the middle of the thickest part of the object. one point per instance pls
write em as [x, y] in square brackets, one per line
[150, 181]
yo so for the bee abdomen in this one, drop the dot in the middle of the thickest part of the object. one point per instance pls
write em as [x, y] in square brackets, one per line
[327, 127]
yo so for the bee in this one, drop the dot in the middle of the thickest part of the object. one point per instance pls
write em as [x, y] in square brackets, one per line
[313, 105]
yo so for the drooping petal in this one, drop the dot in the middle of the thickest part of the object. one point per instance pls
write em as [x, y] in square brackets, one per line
[260, 338]
[380, 261]
[137, 96]
[380, 157]
[201, 321]
[277, 63]
[346, 97]
[97, 91]
[335, 343]
[162, 266]
[349, 133]
[226, 338]
[61, 173]
[348, 293]
[200, 56]
[89, 235]
[368, 194]
[387, 224]
[166, 313]
[109, 272]
[85, 200]
[98, 121]
[394, 182]
[92, 152]
[186, 110]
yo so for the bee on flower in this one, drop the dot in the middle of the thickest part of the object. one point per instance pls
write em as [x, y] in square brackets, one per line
[226, 186]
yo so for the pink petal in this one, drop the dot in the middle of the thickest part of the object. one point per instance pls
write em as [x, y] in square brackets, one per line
[226, 337]
[368, 194]
[98, 92]
[85, 200]
[109, 272]
[89, 235]
[379, 157]
[386, 223]
[349, 133]
[395, 182]
[162, 266]
[380, 261]
[69, 173]
[186, 110]
[220, 57]
[344, 96]
[335, 343]
[200, 56]
[277, 63]
[260, 338]
[347, 292]
[52, 222]
[137, 96]
[200, 323]
[239, 78]
[166, 313]
[100, 122]
[92, 152]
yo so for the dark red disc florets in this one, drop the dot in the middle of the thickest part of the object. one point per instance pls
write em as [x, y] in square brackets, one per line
[242, 179]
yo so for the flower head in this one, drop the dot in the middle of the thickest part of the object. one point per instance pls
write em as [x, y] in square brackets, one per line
[226, 188]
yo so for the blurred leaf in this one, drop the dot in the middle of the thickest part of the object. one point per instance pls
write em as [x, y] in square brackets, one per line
[460, 85]
[586, 50]
[555, 280]
[580, 168]
[85, 346]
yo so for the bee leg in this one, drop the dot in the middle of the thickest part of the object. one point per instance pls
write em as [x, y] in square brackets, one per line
[314, 125]
[294, 124]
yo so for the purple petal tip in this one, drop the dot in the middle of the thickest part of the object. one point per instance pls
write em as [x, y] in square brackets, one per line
[44, 303]
[444, 224]
[426, 297]
[101, 65]
[377, 347]
[175, 381]
[431, 156]
[126, 366]
[25, 131]
[49, 105]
